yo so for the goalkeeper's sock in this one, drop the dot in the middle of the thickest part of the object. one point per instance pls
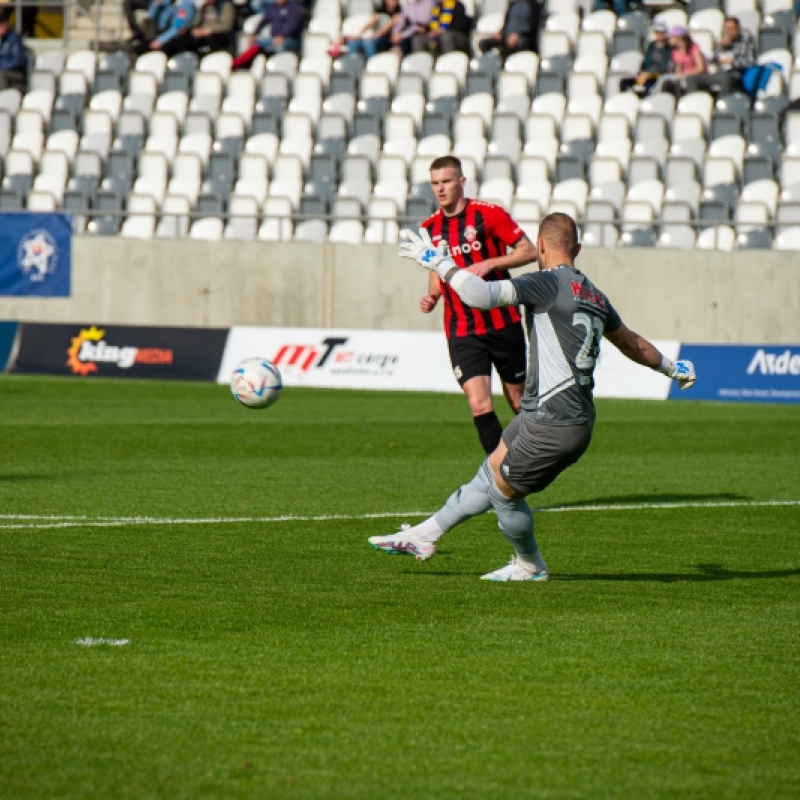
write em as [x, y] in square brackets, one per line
[490, 431]
[466, 502]
[515, 520]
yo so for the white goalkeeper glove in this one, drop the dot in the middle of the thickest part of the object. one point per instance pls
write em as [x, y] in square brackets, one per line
[681, 371]
[419, 247]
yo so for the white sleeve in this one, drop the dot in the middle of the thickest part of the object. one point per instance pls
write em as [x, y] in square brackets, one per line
[479, 293]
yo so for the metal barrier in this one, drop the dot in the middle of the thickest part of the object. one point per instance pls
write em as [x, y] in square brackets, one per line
[727, 235]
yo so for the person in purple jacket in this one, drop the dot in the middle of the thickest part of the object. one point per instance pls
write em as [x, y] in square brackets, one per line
[285, 21]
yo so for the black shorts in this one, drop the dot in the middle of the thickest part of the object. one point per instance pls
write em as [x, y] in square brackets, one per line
[474, 355]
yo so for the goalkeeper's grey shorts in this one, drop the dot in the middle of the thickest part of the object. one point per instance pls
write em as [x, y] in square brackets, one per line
[538, 454]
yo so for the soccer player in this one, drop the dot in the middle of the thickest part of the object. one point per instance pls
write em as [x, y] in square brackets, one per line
[477, 236]
[569, 315]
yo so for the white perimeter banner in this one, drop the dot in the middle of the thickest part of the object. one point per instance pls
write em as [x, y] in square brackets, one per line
[403, 361]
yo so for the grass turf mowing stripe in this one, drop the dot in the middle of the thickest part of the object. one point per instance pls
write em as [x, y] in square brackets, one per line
[66, 521]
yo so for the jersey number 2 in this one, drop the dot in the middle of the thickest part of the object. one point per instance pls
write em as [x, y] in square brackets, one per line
[590, 349]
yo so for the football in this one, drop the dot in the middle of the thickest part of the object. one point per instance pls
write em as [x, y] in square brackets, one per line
[256, 383]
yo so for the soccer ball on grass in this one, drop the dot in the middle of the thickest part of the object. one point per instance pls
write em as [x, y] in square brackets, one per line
[256, 383]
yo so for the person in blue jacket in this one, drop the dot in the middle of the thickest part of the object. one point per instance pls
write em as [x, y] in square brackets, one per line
[172, 20]
[13, 62]
[285, 21]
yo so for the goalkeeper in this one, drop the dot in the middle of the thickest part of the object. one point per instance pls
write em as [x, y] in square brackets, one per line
[567, 317]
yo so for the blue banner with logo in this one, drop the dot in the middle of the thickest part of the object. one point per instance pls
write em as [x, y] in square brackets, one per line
[751, 374]
[35, 253]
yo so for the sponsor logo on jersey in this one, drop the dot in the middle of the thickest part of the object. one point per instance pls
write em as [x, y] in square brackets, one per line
[333, 354]
[89, 349]
[587, 295]
[785, 363]
[466, 247]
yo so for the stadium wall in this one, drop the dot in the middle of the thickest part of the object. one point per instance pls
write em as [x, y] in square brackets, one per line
[699, 296]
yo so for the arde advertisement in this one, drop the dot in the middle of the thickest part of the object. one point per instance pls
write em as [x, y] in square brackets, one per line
[114, 351]
[743, 373]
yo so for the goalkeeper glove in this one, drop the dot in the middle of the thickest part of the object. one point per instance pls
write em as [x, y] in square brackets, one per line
[419, 247]
[681, 371]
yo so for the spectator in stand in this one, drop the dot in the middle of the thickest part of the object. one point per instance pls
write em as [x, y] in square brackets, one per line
[410, 32]
[687, 60]
[735, 53]
[285, 20]
[13, 64]
[620, 6]
[450, 28]
[375, 36]
[172, 21]
[130, 7]
[657, 61]
[214, 27]
[517, 31]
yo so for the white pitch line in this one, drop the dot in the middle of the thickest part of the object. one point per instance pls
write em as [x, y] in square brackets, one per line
[90, 641]
[36, 522]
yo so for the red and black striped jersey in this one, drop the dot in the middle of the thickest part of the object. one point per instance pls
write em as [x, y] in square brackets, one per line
[482, 230]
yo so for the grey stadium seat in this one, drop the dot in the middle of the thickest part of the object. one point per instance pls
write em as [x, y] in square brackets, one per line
[209, 204]
[638, 237]
[11, 199]
[478, 81]
[418, 209]
[76, 200]
[759, 239]
[313, 205]
[104, 225]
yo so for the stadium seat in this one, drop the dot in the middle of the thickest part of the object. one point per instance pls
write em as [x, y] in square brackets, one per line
[208, 229]
[680, 237]
[103, 225]
[788, 239]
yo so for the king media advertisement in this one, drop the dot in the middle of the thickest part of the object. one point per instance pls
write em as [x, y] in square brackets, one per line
[115, 351]
[35, 254]
[748, 374]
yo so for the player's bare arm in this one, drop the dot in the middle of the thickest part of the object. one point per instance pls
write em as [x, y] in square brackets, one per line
[524, 252]
[641, 351]
[429, 301]
[635, 347]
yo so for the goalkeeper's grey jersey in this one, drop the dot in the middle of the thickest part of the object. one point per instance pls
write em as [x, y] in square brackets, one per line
[566, 317]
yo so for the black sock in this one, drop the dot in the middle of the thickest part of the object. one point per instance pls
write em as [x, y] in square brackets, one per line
[490, 431]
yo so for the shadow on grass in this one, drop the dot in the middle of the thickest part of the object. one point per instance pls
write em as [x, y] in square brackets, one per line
[708, 572]
[8, 478]
[653, 497]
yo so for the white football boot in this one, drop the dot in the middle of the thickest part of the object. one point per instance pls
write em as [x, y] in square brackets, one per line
[403, 543]
[516, 570]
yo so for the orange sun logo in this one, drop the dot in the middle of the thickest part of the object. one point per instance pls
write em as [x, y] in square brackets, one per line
[77, 366]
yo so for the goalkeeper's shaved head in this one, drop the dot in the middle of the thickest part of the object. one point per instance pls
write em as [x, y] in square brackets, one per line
[557, 240]
[559, 231]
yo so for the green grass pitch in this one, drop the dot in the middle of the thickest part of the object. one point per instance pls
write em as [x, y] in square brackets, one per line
[272, 654]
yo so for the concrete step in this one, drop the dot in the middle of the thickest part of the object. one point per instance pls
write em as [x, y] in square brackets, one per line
[108, 16]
